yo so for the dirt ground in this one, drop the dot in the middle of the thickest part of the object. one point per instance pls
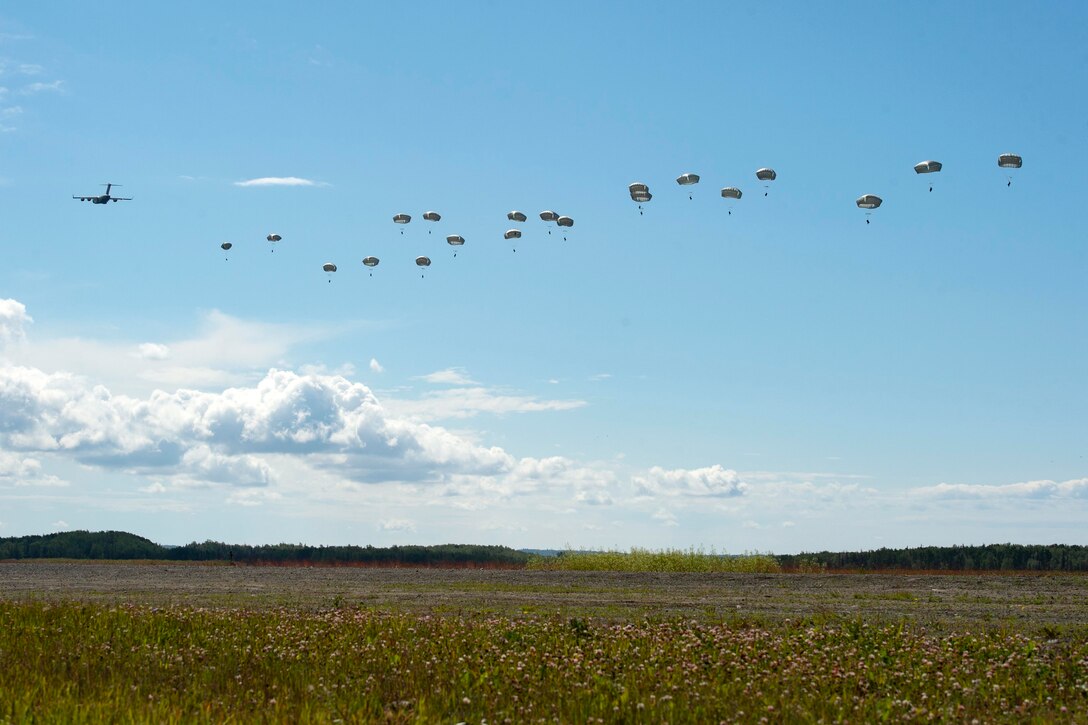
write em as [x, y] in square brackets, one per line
[942, 600]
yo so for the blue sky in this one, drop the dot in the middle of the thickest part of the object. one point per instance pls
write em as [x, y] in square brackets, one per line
[784, 378]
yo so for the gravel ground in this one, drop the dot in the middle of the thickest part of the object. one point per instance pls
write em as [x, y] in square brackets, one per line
[945, 600]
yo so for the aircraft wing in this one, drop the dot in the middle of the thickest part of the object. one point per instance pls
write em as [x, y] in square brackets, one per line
[83, 198]
[121, 198]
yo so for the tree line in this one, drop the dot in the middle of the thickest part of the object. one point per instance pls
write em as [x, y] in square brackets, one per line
[990, 557]
[122, 545]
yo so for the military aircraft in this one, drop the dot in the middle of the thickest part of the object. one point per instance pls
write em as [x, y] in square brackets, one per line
[103, 198]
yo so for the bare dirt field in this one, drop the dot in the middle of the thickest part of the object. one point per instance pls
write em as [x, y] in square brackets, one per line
[942, 600]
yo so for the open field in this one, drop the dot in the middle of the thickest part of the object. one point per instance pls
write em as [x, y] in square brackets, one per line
[937, 600]
[137, 642]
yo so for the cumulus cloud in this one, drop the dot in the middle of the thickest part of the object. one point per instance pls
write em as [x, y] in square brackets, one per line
[20, 470]
[1026, 490]
[279, 181]
[153, 351]
[376, 366]
[13, 320]
[709, 481]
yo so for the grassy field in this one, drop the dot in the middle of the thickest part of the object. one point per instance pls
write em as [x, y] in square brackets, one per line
[107, 642]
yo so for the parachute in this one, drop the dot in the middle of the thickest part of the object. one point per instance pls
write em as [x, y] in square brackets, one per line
[330, 268]
[766, 175]
[371, 262]
[512, 234]
[423, 263]
[454, 240]
[273, 238]
[516, 216]
[731, 192]
[687, 180]
[402, 219]
[431, 216]
[549, 216]
[565, 221]
[640, 194]
[225, 246]
[1009, 161]
[928, 167]
[868, 202]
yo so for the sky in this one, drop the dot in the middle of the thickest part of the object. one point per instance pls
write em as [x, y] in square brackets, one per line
[782, 378]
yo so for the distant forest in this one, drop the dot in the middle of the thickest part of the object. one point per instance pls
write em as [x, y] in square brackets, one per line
[121, 545]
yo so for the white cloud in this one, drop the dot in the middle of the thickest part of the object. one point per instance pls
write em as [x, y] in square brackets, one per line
[600, 376]
[30, 69]
[252, 497]
[376, 366]
[279, 181]
[709, 481]
[155, 487]
[449, 376]
[460, 403]
[55, 86]
[153, 351]
[396, 525]
[13, 318]
[667, 518]
[19, 470]
[61, 524]
[11, 111]
[1043, 489]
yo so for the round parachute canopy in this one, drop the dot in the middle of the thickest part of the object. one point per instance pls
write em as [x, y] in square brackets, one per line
[431, 216]
[225, 246]
[687, 179]
[516, 216]
[1009, 161]
[423, 261]
[328, 267]
[402, 218]
[565, 221]
[869, 201]
[766, 175]
[732, 192]
[641, 196]
[638, 188]
[928, 167]
[273, 237]
[512, 234]
[371, 261]
[549, 216]
[454, 240]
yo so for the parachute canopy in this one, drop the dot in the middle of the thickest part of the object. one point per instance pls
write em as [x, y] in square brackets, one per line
[549, 216]
[455, 240]
[402, 218]
[516, 216]
[273, 237]
[1009, 161]
[225, 246]
[565, 221]
[766, 175]
[641, 196]
[869, 201]
[328, 267]
[731, 192]
[371, 261]
[512, 234]
[687, 179]
[927, 167]
[431, 216]
[638, 188]
[423, 261]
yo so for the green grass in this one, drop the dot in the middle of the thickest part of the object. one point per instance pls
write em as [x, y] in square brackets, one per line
[648, 560]
[72, 662]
